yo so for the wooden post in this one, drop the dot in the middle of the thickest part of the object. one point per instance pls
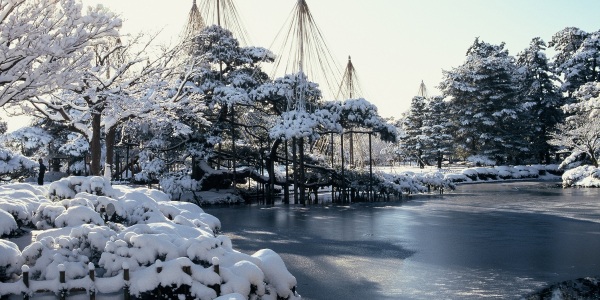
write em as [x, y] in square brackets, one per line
[217, 270]
[126, 295]
[159, 268]
[187, 269]
[92, 275]
[25, 270]
[62, 294]
[215, 261]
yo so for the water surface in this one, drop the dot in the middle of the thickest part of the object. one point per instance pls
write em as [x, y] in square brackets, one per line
[493, 241]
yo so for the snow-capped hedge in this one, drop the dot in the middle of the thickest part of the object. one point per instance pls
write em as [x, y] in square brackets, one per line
[503, 173]
[167, 246]
[412, 183]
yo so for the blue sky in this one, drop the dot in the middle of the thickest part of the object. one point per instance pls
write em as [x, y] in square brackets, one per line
[394, 44]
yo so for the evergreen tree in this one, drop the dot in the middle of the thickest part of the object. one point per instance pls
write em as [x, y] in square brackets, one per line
[540, 97]
[567, 63]
[436, 130]
[483, 102]
[413, 139]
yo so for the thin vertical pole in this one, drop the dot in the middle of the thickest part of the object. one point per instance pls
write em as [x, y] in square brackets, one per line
[332, 189]
[295, 170]
[286, 191]
[372, 198]
[343, 178]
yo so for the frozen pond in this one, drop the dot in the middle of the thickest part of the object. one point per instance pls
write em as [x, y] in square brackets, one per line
[501, 240]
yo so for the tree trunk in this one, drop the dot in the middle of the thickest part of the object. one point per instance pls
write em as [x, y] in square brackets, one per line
[301, 179]
[270, 160]
[295, 170]
[110, 148]
[95, 145]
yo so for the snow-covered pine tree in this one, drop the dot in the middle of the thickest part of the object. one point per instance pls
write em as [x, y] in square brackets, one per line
[567, 43]
[540, 98]
[483, 103]
[436, 130]
[413, 140]
[580, 131]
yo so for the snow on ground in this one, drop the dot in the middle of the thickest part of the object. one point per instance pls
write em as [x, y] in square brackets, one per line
[80, 224]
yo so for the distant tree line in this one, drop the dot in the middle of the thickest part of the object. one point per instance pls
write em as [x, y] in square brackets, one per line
[503, 109]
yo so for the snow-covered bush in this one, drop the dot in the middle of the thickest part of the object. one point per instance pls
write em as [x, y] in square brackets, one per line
[45, 255]
[411, 183]
[20, 203]
[481, 160]
[154, 234]
[68, 187]
[9, 260]
[14, 165]
[584, 176]
[32, 141]
[8, 225]
[177, 184]
[504, 172]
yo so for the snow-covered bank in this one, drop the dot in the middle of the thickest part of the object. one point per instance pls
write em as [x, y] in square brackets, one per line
[83, 223]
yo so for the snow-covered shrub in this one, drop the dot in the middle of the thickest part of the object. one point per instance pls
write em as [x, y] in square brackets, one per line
[154, 232]
[8, 225]
[152, 167]
[585, 176]
[177, 184]
[486, 173]
[526, 172]
[14, 165]
[457, 178]
[44, 256]
[471, 174]
[68, 187]
[20, 203]
[481, 160]
[504, 172]
[10, 258]
[276, 274]
[33, 141]
[78, 215]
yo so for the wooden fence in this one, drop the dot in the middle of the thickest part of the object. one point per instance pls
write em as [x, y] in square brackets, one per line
[29, 288]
